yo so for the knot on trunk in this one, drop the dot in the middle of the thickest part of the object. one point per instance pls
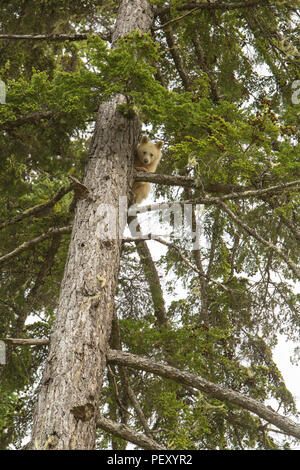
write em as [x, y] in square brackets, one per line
[83, 412]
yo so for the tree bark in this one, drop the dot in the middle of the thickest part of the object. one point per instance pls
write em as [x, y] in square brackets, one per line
[67, 407]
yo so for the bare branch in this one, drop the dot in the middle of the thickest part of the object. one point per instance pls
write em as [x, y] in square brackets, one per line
[173, 49]
[115, 343]
[153, 282]
[213, 390]
[34, 241]
[151, 276]
[184, 259]
[208, 201]
[138, 410]
[55, 37]
[187, 182]
[196, 253]
[26, 341]
[128, 434]
[175, 20]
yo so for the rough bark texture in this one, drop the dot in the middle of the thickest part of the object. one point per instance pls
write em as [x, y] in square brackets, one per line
[66, 412]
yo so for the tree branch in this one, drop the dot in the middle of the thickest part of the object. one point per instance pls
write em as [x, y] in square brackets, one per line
[211, 6]
[151, 275]
[139, 411]
[213, 390]
[34, 241]
[208, 201]
[128, 434]
[187, 182]
[185, 378]
[253, 233]
[203, 64]
[203, 278]
[36, 210]
[184, 259]
[115, 343]
[173, 49]
[55, 37]
[153, 282]
[38, 283]
[26, 119]
[26, 341]
[175, 20]
[285, 220]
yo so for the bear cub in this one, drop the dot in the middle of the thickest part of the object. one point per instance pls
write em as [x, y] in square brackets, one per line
[147, 158]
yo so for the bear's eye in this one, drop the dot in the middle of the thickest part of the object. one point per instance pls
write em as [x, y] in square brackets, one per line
[144, 153]
[151, 154]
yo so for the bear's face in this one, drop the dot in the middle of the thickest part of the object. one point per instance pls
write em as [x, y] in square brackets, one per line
[148, 152]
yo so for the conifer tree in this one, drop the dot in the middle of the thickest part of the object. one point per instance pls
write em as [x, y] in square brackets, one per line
[111, 338]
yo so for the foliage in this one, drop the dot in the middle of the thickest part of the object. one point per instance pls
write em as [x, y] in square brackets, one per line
[245, 134]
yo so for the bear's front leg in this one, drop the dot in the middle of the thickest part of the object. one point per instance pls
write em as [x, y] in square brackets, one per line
[141, 168]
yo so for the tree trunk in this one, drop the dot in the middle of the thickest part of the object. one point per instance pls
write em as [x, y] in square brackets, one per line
[66, 411]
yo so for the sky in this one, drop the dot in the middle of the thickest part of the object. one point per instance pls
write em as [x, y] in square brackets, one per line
[284, 350]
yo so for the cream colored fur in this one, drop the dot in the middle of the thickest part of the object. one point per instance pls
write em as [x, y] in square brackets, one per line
[147, 158]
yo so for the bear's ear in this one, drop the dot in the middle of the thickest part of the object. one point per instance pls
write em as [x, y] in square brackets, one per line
[159, 144]
[144, 139]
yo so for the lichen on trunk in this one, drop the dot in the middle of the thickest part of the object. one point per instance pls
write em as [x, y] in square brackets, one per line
[66, 411]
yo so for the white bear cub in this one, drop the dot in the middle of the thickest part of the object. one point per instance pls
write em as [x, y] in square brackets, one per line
[147, 159]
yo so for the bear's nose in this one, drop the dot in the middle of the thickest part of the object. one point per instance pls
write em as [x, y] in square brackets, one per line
[146, 160]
